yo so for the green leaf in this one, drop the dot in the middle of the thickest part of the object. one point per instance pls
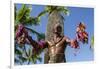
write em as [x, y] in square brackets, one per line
[23, 16]
[30, 52]
[19, 52]
[41, 36]
[92, 40]
[21, 12]
[23, 59]
[16, 60]
[40, 59]
[42, 13]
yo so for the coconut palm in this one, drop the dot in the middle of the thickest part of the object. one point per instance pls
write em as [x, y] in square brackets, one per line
[22, 16]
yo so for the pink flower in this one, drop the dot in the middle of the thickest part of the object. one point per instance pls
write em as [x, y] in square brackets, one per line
[41, 43]
[19, 30]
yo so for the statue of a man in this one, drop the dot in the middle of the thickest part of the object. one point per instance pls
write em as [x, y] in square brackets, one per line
[56, 47]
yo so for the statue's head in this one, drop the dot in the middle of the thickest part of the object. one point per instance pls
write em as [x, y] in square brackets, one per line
[58, 29]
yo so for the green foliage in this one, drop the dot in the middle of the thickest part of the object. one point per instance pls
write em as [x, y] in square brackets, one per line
[22, 16]
[50, 9]
[92, 43]
[92, 40]
[39, 35]
[18, 54]
[17, 51]
[24, 54]
[60, 9]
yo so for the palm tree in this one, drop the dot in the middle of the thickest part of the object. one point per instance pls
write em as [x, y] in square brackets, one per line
[22, 16]
[55, 16]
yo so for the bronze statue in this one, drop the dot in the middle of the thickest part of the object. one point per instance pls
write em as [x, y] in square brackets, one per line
[56, 47]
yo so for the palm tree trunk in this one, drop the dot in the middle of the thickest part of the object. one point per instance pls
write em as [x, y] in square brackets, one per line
[54, 18]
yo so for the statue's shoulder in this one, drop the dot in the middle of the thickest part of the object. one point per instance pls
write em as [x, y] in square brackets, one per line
[65, 38]
[49, 42]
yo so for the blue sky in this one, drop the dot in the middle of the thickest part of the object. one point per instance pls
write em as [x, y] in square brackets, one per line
[76, 15]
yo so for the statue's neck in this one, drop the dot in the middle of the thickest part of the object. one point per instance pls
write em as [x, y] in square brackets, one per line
[57, 35]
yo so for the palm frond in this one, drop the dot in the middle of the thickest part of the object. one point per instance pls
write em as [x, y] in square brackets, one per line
[32, 21]
[21, 12]
[43, 13]
[23, 16]
[63, 10]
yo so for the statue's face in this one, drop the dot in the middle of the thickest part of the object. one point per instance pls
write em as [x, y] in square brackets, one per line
[58, 29]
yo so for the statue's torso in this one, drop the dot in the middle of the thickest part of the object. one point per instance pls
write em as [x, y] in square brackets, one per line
[56, 51]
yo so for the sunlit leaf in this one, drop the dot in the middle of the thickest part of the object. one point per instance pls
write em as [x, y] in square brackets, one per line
[23, 59]
[19, 52]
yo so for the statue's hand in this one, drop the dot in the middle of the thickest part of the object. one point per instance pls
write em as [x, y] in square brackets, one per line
[74, 44]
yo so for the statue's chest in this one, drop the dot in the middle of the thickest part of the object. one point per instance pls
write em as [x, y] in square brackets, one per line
[55, 44]
[57, 48]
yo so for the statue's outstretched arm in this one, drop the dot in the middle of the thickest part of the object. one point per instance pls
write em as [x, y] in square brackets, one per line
[73, 43]
[23, 37]
[40, 44]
